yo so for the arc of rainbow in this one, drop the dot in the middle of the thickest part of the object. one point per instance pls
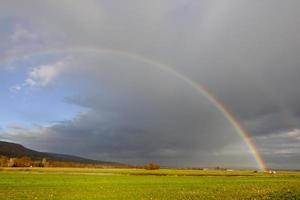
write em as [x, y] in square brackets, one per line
[198, 87]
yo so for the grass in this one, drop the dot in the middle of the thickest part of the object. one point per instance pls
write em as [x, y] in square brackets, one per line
[58, 183]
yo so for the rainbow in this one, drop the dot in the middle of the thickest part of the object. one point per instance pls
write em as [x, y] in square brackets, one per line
[168, 69]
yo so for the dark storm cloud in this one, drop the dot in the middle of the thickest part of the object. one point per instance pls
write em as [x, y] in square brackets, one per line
[245, 52]
[153, 118]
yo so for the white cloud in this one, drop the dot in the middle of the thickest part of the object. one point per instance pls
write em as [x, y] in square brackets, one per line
[29, 82]
[23, 132]
[43, 75]
[22, 34]
[15, 88]
[294, 134]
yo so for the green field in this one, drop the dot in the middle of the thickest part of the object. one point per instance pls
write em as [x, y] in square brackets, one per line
[142, 184]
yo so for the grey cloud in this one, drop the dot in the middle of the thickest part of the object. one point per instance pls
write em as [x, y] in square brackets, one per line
[281, 150]
[245, 52]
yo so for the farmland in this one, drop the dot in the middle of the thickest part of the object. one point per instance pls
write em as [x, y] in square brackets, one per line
[59, 183]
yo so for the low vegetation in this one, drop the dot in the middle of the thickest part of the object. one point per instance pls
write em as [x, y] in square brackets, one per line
[79, 183]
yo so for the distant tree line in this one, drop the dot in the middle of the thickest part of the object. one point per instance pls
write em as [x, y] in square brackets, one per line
[26, 161]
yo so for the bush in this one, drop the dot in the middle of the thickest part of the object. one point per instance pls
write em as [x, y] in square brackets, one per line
[23, 162]
[152, 166]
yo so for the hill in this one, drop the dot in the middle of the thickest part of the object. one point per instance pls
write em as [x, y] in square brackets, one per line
[17, 150]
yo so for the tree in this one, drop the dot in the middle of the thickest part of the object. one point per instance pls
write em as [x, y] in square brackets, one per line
[3, 161]
[23, 162]
[44, 162]
[152, 166]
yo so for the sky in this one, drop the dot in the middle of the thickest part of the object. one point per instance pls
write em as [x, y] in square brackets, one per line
[85, 78]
